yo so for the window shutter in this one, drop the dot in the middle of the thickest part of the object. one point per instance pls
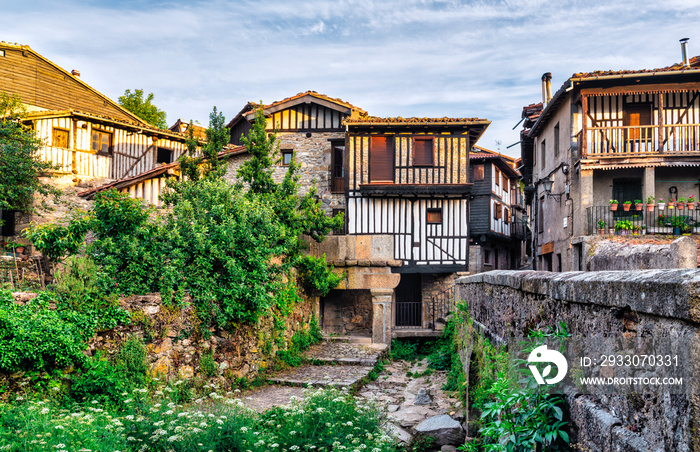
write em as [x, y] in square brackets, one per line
[381, 160]
[423, 151]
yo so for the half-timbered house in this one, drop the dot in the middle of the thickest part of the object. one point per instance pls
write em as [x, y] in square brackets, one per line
[408, 190]
[309, 126]
[628, 136]
[496, 229]
[85, 134]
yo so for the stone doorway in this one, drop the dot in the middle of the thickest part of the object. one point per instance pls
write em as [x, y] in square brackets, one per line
[347, 312]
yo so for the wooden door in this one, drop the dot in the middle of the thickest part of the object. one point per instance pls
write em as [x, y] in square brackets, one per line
[381, 160]
[638, 118]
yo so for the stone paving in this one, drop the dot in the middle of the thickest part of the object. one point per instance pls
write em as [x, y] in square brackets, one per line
[346, 353]
[309, 375]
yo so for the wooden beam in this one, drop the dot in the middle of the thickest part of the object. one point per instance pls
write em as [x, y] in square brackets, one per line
[657, 88]
[584, 122]
[660, 138]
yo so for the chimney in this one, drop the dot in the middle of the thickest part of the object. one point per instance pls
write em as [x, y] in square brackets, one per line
[546, 88]
[684, 42]
[75, 73]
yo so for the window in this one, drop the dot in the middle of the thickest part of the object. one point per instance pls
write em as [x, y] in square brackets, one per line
[434, 216]
[542, 154]
[423, 151]
[504, 182]
[337, 170]
[164, 155]
[506, 215]
[101, 142]
[8, 226]
[638, 117]
[498, 177]
[487, 257]
[497, 210]
[60, 138]
[556, 140]
[381, 159]
[287, 155]
[540, 217]
[478, 173]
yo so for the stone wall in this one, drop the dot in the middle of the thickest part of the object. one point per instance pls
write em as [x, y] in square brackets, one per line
[602, 254]
[508, 304]
[347, 312]
[176, 341]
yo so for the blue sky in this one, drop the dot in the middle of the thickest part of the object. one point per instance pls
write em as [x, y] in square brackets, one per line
[392, 58]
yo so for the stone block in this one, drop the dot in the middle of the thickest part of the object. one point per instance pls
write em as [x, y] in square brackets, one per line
[443, 428]
[382, 246]
[363, 247]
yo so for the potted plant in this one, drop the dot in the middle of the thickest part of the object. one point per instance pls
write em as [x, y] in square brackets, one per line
[636, 230]
[623, 227]
[681, 203]
[613, 204]
[601, 227]
[627, 205]
[644, 230]
[671, 203]
[638, 204]
[661, 204]
[650, 204]
[691, 202]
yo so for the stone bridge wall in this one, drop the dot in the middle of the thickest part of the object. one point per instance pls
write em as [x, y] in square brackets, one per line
[508, 304]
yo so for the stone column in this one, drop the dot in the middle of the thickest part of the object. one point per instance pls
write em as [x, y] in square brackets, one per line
[586, 200]
[381, 315]
[649, 183]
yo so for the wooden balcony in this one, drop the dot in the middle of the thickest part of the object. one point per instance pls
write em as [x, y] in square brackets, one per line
[640, 141]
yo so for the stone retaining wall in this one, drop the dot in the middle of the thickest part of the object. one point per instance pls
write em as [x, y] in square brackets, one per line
[508, 304]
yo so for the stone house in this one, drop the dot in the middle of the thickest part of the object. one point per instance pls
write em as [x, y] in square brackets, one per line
[628, 136]
[85, 134]
[497, 232]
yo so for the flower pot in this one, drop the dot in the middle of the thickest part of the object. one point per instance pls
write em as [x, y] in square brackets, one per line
[638, 206]
[626, 207]
[644, 232]
[613, 207]
[611, 231]
[676, 231]
[681, 205]
[670, 205]
[650, 207]
[601, 231]
[691, 205]
[662, 205]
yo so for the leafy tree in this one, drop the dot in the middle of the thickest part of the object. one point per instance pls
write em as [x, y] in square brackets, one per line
[144, 109]
[20, 163]
[207, 164]
[257, 172]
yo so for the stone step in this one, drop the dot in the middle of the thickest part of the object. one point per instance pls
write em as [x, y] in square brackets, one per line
[348, 339]
[322, 376]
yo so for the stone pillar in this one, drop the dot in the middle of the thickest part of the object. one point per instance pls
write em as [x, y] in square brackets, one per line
[649, 183]
[381, 315]
[586, 200]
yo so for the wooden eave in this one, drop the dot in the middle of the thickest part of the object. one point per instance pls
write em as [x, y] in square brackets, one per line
[308, 99]
[415, 190]
[474, 129]
[641, 89]
[144, 130]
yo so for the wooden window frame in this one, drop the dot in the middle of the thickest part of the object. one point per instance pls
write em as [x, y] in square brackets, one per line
[437, 215]
[498, 177]
[431, 154]
[487, 257]
[101, 132]
[479, 172]
[337, 169]
[53, 137]
[543, 152]
[162, 149]
[284, 153]
[391, 153]
[556, 140]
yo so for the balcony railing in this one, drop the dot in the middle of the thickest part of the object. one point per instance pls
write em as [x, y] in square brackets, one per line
[667, 221]
[640, 140]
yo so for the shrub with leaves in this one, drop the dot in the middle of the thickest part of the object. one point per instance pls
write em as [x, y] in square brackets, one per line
[315, 277]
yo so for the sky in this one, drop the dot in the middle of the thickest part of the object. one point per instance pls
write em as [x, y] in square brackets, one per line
[427, 58]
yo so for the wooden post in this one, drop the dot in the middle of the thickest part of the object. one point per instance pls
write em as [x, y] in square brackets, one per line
[660, 98]
[584, 115]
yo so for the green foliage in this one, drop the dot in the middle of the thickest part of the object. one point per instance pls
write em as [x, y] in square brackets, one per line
[323, 420]
[315, 277]
[57, 240]
[20, 163]
[207, 365]
[34, 336]
[132, 359]
[205, 164]
[144, 109]
[257, 171]
[100, 381]
[405, 350]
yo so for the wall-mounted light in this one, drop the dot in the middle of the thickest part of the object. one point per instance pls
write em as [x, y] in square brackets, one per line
[547, 186]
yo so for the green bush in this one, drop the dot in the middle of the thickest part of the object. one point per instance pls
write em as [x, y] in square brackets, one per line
[34, 336]
[406, 350]
[207, 365]
[315, 276]
[100, 381]
[132, 359]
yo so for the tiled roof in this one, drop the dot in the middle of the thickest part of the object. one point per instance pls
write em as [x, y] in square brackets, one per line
[318, 96]
[693, 64]
[414, 120]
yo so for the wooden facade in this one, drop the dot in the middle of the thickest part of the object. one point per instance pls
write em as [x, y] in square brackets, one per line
[124, 150]
[411, 181]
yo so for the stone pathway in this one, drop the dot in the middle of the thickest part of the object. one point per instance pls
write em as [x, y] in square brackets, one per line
[397, 387]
